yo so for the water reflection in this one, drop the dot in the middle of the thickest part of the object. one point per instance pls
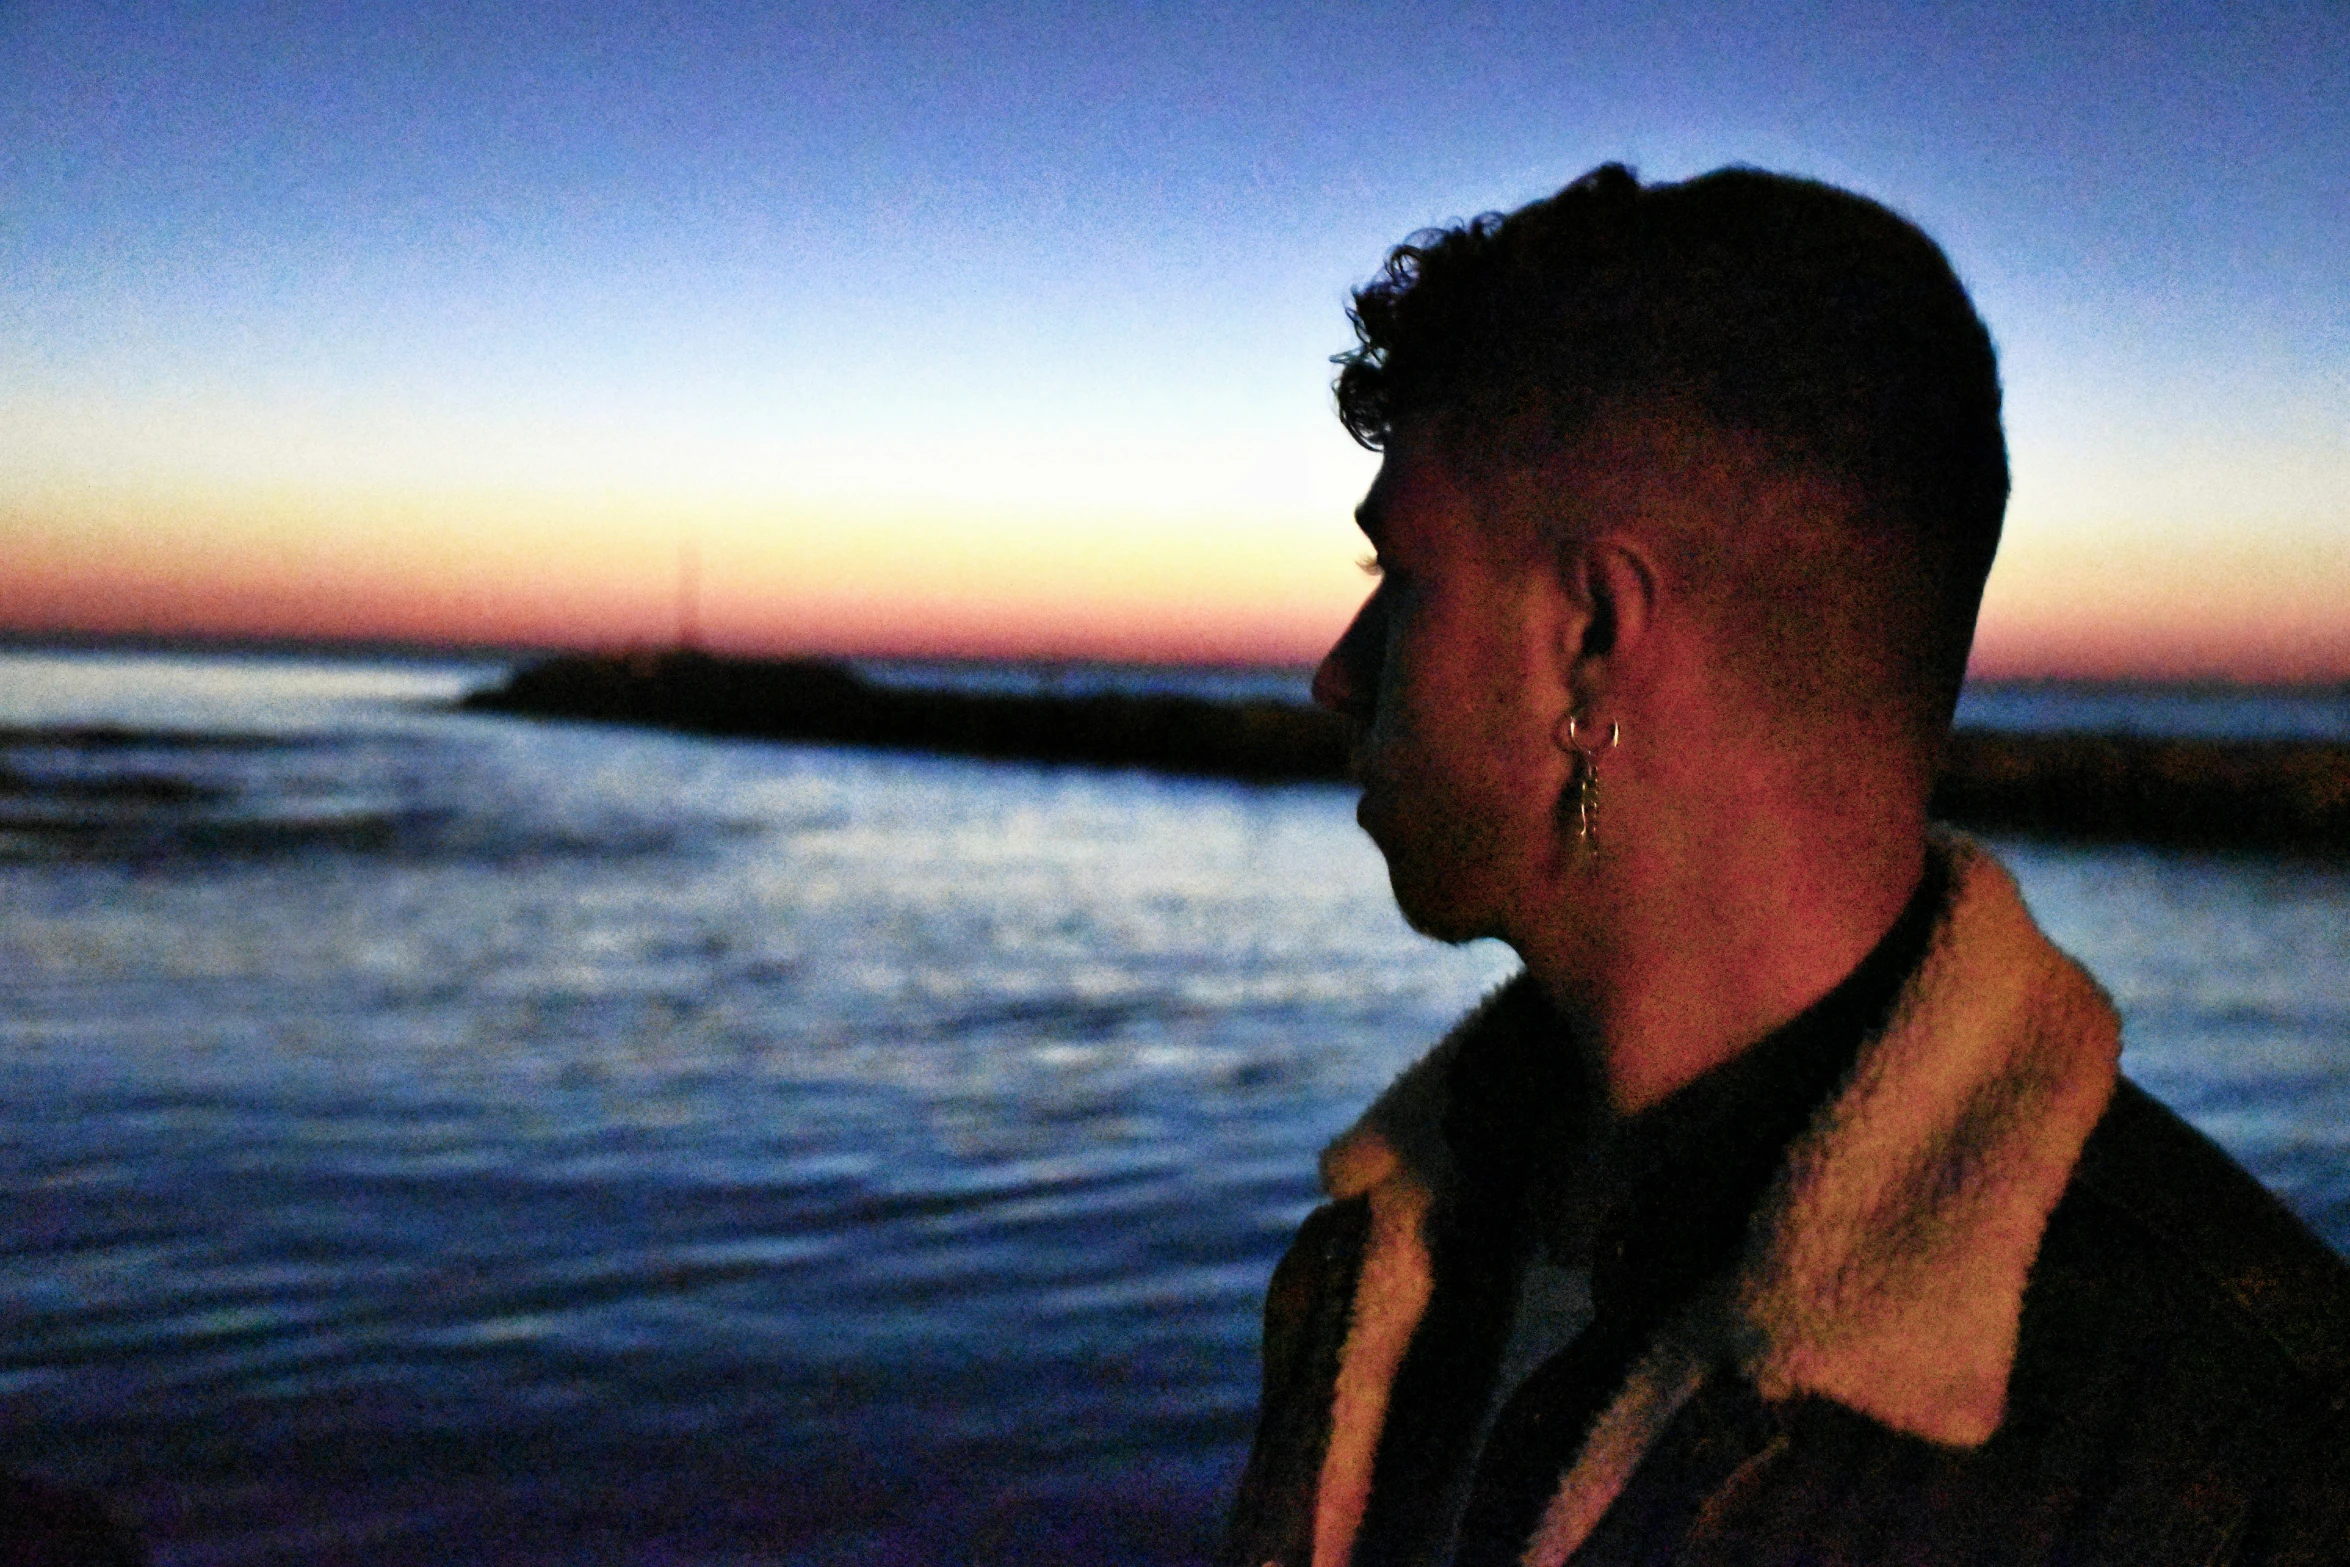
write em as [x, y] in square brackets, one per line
[671, 1150]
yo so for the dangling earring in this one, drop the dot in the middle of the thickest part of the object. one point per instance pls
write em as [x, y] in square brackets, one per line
[1583, 779]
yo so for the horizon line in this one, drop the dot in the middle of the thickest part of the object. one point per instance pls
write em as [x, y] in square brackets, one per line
[228, 644]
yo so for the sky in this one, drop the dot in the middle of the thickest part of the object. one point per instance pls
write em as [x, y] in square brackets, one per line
[1004, 330]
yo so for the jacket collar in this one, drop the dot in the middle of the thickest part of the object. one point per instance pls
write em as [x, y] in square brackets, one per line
[1885, 1269]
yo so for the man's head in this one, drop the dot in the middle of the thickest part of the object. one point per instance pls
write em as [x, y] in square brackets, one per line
[1755, 411]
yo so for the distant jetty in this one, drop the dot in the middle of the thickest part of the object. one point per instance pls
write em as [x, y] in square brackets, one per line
[2288, 796]
[814, 699]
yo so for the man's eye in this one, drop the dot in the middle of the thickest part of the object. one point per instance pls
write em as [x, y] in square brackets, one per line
[1371, 566]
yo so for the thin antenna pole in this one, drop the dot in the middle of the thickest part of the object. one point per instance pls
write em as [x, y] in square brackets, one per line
[689, 592]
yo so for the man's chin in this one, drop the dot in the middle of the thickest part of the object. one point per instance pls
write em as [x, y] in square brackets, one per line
[1434, 917]
[1429, 898]
[1430, 903]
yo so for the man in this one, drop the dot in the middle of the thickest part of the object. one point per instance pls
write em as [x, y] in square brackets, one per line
[1788, 1208]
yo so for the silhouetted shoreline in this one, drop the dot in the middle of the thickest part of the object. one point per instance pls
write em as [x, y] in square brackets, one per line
[2289, 796]
[812, 699]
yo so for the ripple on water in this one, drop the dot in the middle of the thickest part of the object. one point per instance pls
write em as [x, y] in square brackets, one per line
[691, 1151]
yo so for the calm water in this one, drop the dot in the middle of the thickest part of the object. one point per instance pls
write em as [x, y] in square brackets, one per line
[2205, 711]
[441, 1139]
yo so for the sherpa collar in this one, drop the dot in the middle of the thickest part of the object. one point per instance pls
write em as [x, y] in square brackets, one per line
[1886, 1267]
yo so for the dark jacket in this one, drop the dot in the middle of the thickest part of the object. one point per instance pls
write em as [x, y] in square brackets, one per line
[1997, 1307]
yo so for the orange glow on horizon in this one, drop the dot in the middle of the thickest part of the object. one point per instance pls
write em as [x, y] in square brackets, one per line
[499, 571]
[2259, 604]
[2299, 653]
[484, 569]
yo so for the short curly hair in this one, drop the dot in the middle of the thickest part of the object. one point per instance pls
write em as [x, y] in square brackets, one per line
[1817, 325]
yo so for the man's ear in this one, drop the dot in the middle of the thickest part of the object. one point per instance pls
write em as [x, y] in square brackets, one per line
[1612, 585]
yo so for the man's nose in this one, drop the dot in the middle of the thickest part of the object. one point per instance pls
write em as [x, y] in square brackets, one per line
[1347, 679]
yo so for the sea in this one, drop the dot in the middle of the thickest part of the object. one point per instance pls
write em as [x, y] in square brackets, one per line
[441, 1138]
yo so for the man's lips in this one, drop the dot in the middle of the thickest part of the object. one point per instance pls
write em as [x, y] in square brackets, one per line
[1358, 738]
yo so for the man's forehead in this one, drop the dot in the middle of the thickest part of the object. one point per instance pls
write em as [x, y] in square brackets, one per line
[1425, 487]
[1371, 511]
[1414, 472]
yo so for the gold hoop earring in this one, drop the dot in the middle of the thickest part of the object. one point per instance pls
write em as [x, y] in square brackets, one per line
[1583, 778]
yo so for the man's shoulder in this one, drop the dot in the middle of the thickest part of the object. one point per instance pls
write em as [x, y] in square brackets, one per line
[2185, 1353]
[2158, 1213]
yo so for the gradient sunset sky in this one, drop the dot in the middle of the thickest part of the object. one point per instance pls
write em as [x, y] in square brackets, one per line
[1004, 329]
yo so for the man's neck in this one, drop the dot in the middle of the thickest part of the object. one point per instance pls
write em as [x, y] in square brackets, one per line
[1697, 957]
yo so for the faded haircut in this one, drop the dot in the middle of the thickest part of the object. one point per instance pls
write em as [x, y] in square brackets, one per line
[1823, 332]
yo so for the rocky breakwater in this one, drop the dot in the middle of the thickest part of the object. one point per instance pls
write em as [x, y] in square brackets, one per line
[809, 699]
[2277, 796]
[2252, 795]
